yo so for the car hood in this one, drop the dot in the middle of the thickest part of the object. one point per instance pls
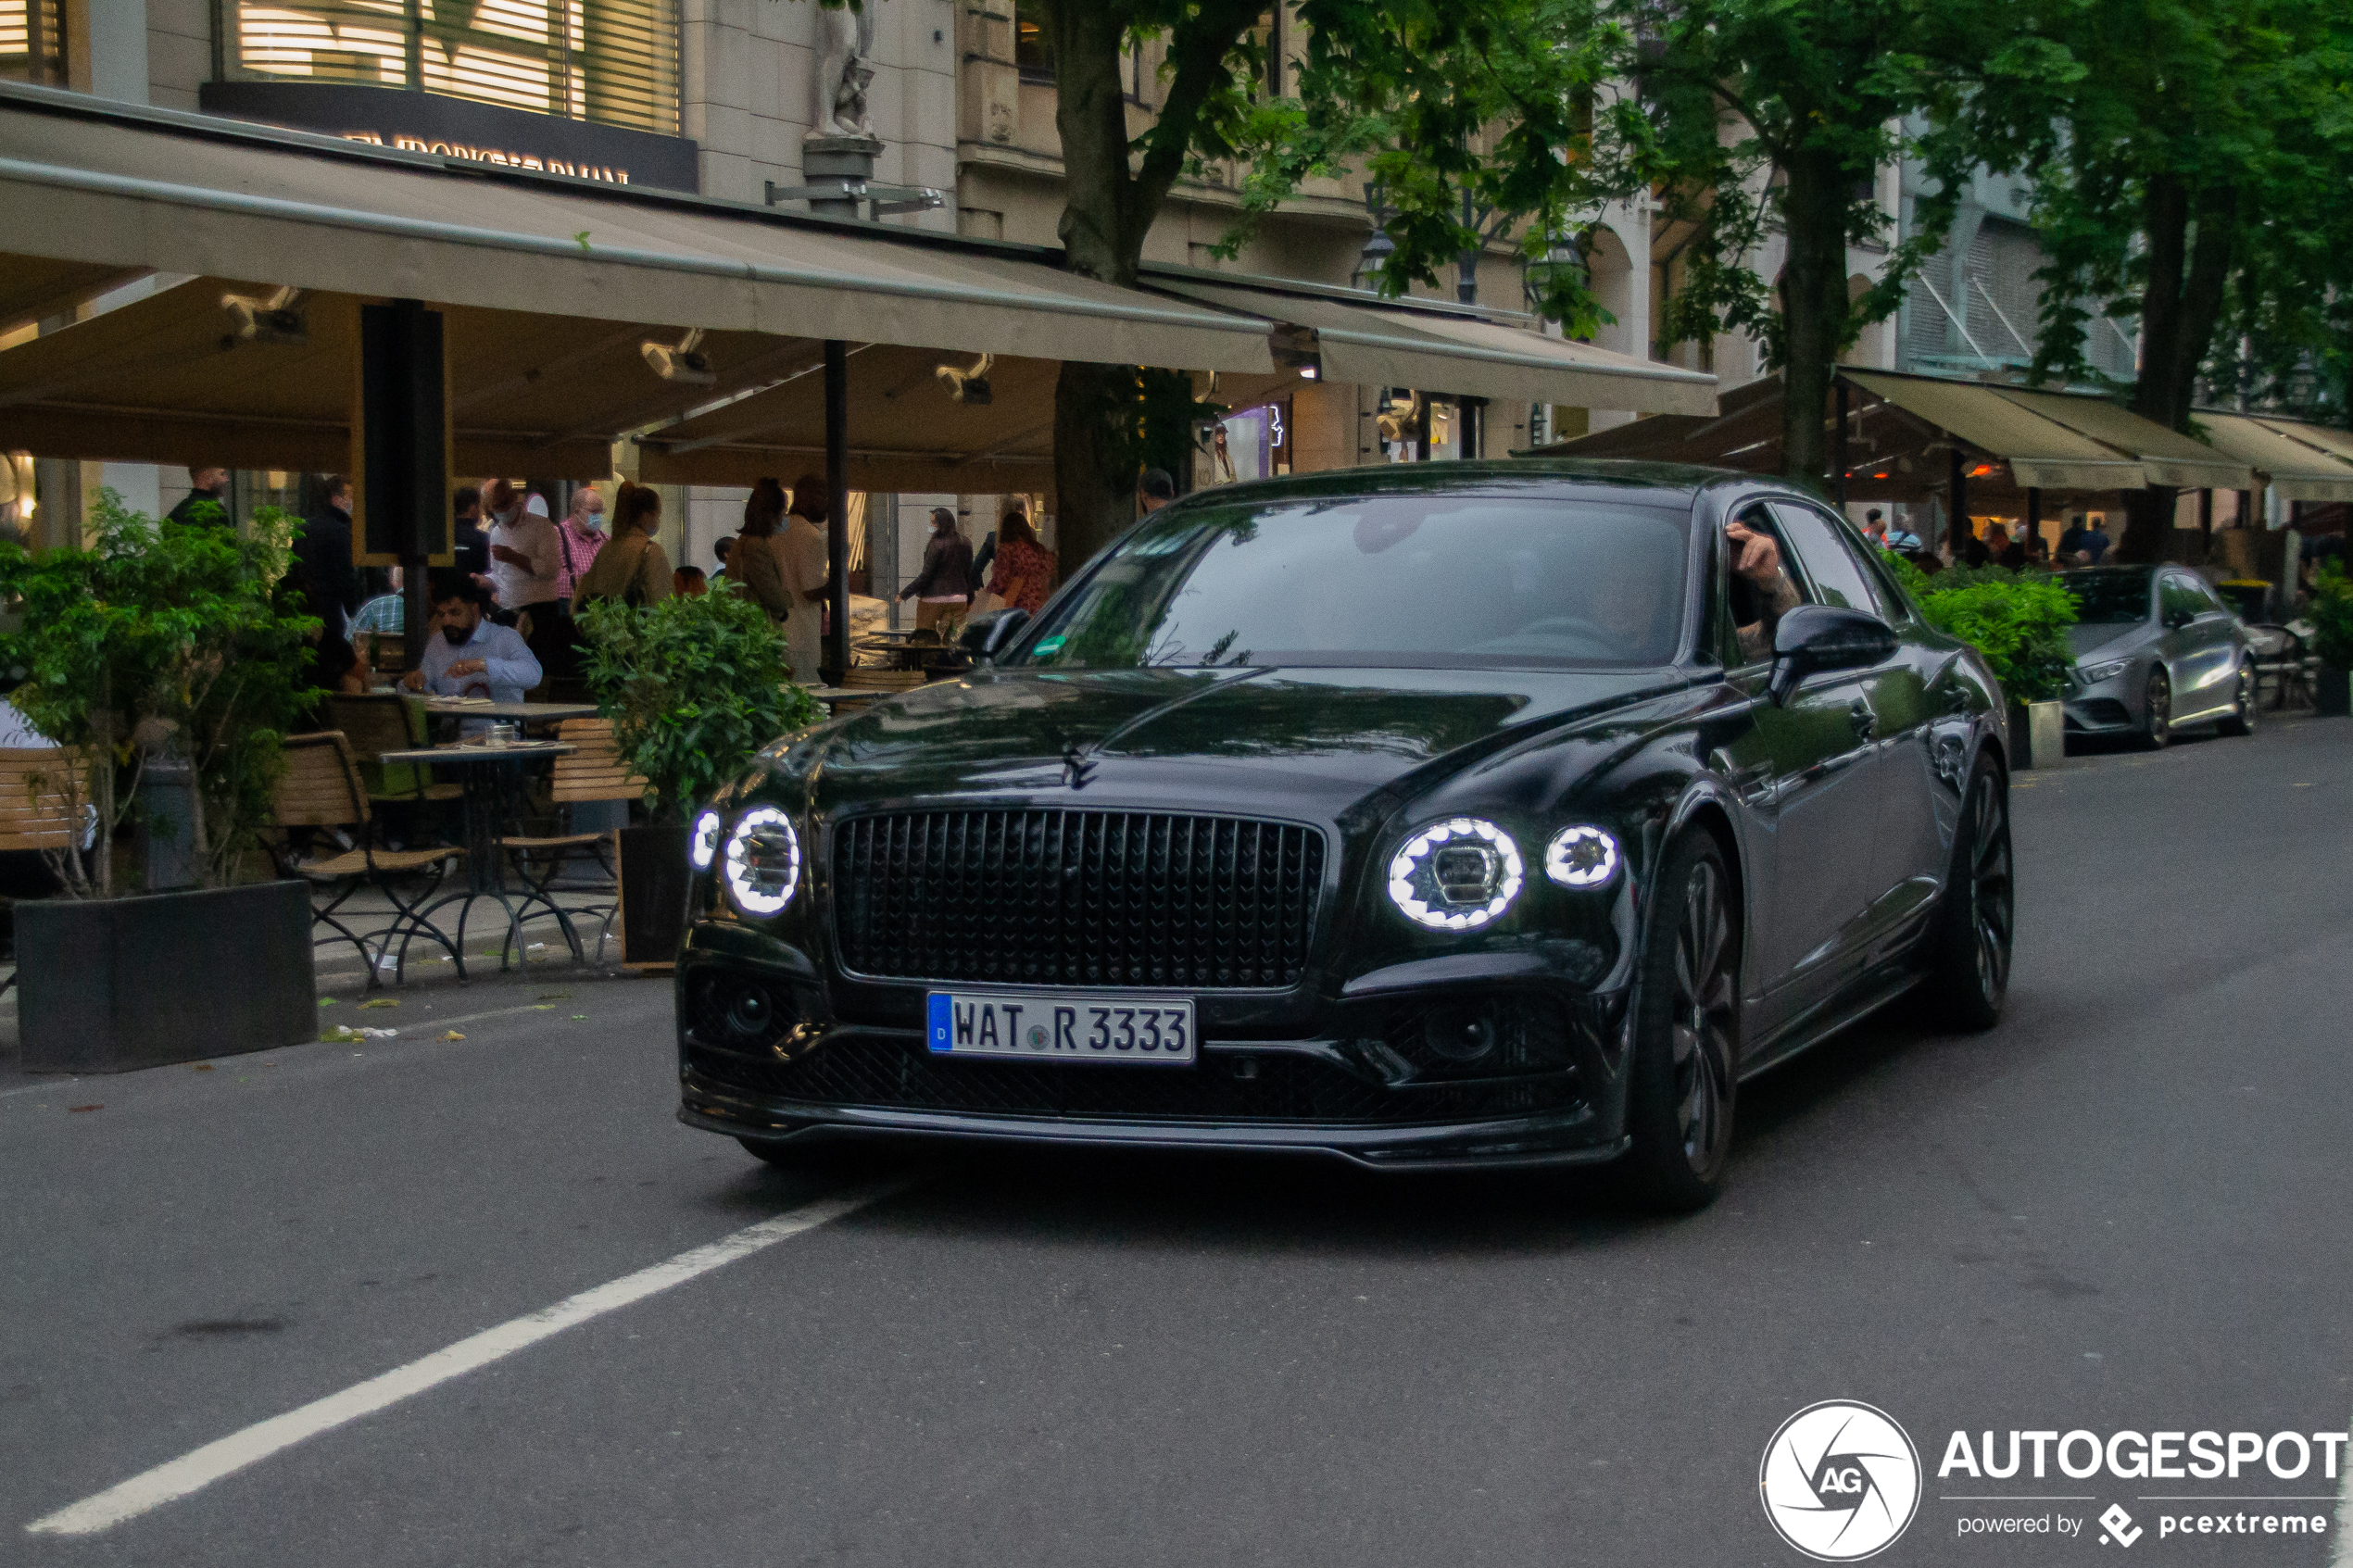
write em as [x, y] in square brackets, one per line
[1308, 742]
[2113, 637]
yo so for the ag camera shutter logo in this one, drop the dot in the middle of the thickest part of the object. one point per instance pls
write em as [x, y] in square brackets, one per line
[1841, 1481]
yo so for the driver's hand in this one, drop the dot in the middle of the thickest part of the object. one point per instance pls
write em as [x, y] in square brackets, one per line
[1757, 557]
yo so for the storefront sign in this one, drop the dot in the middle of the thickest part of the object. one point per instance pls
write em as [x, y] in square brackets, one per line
[427, 122]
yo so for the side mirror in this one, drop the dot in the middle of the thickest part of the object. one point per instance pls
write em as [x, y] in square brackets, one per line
[2176, 620]
[985, 637]
[1814, 637]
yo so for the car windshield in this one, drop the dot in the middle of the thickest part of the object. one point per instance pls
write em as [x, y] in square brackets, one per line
[2108, 598]
[1417, 582]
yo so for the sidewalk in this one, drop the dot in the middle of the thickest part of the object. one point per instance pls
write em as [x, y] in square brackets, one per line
[368, 911]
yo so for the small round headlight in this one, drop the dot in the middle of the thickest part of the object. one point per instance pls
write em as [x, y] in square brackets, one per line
[1582, 857]
[1455, 875]
[702, 842]
[764, 860]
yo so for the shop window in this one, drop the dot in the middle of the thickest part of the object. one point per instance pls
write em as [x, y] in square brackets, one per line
[613, 62]
[32, 42]
[1033, 51]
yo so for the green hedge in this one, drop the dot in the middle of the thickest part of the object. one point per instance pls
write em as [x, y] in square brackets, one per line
[2017, 620]
[2331, 614]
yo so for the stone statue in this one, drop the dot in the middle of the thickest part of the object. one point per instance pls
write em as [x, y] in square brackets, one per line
[845, 53]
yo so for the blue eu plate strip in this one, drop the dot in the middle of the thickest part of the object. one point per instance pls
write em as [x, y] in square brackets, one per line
[942, 1011]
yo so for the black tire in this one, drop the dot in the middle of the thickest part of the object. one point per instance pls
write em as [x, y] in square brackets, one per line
[1687, 1034]
[1970, 947]
[2240, 719]
[2156, 709]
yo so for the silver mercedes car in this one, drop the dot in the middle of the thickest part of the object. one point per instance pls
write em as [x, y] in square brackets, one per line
[2155, 649]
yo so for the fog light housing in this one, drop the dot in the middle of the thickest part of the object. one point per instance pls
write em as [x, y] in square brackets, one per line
[703, 841]
[1582, 857]
[1455, 875]
[763, 861]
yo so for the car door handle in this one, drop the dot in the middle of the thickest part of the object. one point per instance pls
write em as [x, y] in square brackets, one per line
[1864, 719]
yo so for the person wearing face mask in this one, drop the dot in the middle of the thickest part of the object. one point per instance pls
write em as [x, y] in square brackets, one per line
[579, 537]
[473, 656]
[633, 568]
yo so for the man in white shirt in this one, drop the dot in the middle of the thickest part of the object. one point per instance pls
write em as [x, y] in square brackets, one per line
[526, 560]
[473, 656]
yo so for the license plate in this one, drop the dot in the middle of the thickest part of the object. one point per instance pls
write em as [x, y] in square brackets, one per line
[1045, 1028]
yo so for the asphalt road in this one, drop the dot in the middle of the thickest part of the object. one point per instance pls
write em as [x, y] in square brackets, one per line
[2124, 1210]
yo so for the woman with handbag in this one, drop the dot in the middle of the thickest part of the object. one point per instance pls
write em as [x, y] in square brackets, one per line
[632, 567]
[1025, 571]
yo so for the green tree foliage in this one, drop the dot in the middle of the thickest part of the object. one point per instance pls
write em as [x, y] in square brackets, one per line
[2331, 612]
[2188, 159]
[163, 643]
[694, 686]
[1773, 117]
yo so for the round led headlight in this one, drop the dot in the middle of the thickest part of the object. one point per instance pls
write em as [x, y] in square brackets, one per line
[1455, 875]
[1582, 857]
[764, 860]
[703, 841]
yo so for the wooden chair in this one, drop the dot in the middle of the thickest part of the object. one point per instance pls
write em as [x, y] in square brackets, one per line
[323, 789]
[42, 805]
[374, 725]
[594, 771]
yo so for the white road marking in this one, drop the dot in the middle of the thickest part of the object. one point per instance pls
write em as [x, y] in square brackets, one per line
[193, 1471]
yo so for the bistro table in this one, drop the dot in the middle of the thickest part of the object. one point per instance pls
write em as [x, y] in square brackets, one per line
[487, 774]
[528, 712]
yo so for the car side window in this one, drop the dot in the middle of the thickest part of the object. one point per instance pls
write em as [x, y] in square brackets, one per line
[1837, 576]
[2177, 600]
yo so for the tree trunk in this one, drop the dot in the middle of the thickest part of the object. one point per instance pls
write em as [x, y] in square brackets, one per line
[1093, 498]
[1814, 309]
[2181, 304]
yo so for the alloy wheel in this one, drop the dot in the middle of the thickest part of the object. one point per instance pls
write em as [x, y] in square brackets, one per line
[2160, 708]
[1991, 907]
[1703, 1018]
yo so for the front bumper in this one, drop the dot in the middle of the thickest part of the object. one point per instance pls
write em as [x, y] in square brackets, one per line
[1364, 1088]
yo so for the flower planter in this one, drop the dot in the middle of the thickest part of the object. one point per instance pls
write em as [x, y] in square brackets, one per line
[653, 894]
[2038, 734]
[2332, 692]
[108, 985]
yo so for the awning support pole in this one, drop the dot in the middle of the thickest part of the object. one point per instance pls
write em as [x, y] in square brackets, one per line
[2034, 511]
[1958, 524]
[2206, 519]
[837, 660]
[1839, 446]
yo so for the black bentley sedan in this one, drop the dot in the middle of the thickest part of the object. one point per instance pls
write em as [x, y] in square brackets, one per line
[1482, 814]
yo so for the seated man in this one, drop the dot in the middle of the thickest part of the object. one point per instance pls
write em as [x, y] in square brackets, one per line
[473, 656]
[1761, 592]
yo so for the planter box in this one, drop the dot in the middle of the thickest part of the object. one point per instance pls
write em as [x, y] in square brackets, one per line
[653, 893]
[110, 986]
[2038, 734]
[2331, 695]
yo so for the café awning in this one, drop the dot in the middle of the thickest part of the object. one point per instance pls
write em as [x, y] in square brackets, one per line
[2279, 451]
[1355, 336]
[906, 431]
[2167, 457]
[2042, 452]
[97, 184]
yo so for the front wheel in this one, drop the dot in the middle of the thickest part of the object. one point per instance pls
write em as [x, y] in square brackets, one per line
[1687, 1033]
[1970, 952]
[2157, 710]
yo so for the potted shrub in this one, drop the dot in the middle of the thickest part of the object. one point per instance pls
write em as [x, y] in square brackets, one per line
[2018, 621]
[695, 688]
[162, 646]
[2331, 614]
